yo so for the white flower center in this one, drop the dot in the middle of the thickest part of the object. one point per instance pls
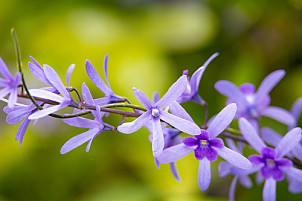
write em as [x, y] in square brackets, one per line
[155, 113]
[204, 142]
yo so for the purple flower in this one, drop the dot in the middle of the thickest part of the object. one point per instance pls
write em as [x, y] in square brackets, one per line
[95, 126]
[273, 138]
[207, 148]
[9, 84]
[251, 104]
[191, 92]
[64, 100]
[271, 163]
[155, 112]
[110, 97]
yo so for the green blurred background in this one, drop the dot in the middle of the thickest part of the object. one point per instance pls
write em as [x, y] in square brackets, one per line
[149, 44]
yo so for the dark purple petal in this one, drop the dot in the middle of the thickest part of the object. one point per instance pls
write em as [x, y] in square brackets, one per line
[78, 140]
[268, 152]
[69, 72]
[204, 135]
[231, 91]
[277, 174]
[21, 131]
[4, 71]
[270, 136]
[174, 171]
[173, 93]
[233, 188]
[55, 80]
[96, 79]
[288, 142]
[256, 159]
[179, 123]
[174, 153]
[189, 141]
[204, 174]
[284, 162]
[211, 154]
[133, 126]
[199, 153]
[234, 158]
[222, 120]
[142, 98]
[269, 190]
[250, 134]
[216, 142]
[279, 114]
[268, 84]
[158, 137]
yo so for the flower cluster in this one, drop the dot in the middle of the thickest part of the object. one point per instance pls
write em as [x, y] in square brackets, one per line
[166, 120]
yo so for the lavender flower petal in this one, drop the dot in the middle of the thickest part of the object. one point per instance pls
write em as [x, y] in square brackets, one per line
[234, 158]
[269, 190]
[179, 111]
[288, 142]
[158, 137]
[270, 136]
[296, 109]
[78, 140]
[173, 93]
[12, 97]
[21, 130]
[245, 181]
[195, 79]
[69, 72]
[174, 171]
[4, 70]
[279, 114]
[233, 188]
[224, 168]
[294, 173]
[174, 153]
[204, 174]
[46, 94]
[297, 151]
[38, 73]
[133, 126]
[268, 84]
[179, 123]
[142, 98]
[96, 79]
[230, 90]
[106, 69]
[250, 134]
[54, 78]
[222, 120]
[81, 122]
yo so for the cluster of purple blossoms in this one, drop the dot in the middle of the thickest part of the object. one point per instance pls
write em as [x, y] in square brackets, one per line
[167, 120]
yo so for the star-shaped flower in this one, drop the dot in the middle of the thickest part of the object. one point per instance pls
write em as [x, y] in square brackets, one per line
[207, 148]
[9, 84]
[155, 112]
[253, 104]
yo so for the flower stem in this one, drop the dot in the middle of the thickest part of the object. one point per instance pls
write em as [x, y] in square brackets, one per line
[19, 64]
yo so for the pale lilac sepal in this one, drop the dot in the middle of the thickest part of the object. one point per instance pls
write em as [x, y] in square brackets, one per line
[173, 93]
[269, 190]
[69, 72]
[43, 113]
[222, 120]
[4, 71]
[179, 111]
[142, 98]
[294, 173]
[46, 94]
[233, 188]
[21, 130]
[38, 72]
[279, 114]
[78, 140]
[270, 136]
[158, 137]
[174, 171]
[81, 122]
[204, 174]
[179, 123]
[174, 153]
[296, 109]
[133, 126]
[288, 142]
[234, 158]
[250, 134]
